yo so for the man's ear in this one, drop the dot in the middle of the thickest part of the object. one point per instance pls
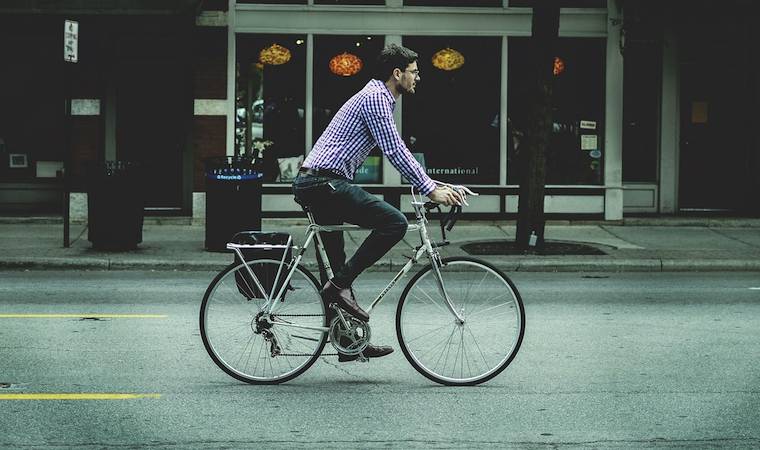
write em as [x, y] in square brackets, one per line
[396, 74]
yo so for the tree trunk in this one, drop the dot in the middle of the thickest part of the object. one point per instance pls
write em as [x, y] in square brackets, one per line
[530, 209]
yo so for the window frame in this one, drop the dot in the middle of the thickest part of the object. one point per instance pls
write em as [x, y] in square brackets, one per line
[501, 22]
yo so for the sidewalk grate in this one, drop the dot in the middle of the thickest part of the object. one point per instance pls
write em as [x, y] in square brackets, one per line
[504, 247]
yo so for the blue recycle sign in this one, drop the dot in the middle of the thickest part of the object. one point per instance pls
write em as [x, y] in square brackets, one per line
[234, 174]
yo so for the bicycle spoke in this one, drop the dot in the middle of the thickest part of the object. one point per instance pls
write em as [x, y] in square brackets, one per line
[431, 301]
[474, 339]
[446, 348]
[426, 334]
[473, 314]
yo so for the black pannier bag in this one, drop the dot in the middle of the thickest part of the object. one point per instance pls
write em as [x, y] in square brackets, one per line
[264, 246]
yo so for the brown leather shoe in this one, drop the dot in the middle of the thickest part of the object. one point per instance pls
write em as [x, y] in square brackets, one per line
[344, 298]
[372, 351]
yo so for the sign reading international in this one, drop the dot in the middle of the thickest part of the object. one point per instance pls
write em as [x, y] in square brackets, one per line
[71, 41]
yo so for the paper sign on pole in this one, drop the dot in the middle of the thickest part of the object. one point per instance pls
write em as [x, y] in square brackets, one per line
[71, 41]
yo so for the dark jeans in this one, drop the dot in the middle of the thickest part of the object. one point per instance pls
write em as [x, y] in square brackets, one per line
[337, 201]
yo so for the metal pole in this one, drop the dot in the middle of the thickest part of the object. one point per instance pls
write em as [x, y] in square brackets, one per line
[67, 156]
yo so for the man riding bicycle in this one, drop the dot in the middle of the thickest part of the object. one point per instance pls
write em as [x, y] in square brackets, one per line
[323, 183]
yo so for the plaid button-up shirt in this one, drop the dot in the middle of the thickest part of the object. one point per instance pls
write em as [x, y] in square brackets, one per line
[363, 122]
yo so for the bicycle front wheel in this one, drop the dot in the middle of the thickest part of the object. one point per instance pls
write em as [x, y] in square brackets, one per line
[261, 349]
[453, 353]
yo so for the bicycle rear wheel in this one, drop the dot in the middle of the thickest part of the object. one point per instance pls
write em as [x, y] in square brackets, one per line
[231, 323]
[442, 349]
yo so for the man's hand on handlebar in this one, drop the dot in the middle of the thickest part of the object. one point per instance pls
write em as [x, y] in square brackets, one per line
[446, 196]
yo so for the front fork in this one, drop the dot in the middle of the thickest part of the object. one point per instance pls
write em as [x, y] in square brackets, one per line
[436, 264]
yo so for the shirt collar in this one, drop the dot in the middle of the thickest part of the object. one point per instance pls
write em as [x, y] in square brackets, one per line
[380, 86]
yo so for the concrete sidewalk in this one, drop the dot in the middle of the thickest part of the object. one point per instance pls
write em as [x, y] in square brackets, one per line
[656, 244]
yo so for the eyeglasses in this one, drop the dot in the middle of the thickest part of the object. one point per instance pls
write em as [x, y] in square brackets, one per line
[415, 72]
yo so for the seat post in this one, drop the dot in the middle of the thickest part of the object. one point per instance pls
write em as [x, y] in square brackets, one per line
[311, 217]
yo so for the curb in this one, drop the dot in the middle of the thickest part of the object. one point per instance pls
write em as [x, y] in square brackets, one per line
[388, 265]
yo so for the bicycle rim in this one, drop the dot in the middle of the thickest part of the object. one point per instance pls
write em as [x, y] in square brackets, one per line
[229, 327]
[451, 353]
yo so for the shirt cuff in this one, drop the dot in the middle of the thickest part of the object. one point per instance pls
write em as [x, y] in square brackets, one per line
[427, 187]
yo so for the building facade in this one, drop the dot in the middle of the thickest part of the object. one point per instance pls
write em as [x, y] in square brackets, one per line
[653, 105]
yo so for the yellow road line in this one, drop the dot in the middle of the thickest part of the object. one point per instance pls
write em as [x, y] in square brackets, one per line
[90, 396]
[74, 316]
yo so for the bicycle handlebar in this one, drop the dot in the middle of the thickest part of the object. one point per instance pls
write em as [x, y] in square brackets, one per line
[448, 221]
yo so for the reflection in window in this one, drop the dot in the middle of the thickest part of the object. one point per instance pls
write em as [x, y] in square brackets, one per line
[452, 120]
[342, 67]
[270, 99]
[494, 3]
[575, 154]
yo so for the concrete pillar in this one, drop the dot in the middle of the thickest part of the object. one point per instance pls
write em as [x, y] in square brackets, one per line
[670, 125]
[199, 208]
[613, 116]
[309, 104]
[504, 139]
[78, 207]
[391, 176]
[231, 72]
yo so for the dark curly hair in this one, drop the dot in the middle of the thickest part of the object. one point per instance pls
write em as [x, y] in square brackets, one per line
[391, 57]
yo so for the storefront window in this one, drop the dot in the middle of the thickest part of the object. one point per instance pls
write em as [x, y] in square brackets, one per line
[452, 120]
[32, 125]
[641, 104]
[270, 99]
[342, 67]
[493, 3]
[576, 151]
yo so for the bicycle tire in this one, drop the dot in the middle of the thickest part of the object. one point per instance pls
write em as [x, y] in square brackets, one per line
[420, 314]
[242, 309]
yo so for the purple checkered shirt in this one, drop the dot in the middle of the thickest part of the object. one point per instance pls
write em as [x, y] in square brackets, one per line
[363, 122]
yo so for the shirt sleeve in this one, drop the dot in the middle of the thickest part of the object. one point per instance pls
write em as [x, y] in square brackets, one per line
[379, 118]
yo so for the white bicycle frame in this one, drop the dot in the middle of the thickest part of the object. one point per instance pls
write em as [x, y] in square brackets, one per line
[314, 230]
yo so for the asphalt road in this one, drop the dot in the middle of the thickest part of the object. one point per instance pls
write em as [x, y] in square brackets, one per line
[608, 361]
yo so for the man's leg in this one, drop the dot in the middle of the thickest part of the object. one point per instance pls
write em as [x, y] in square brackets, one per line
[316, 194]
[346, 202]
[388, 226]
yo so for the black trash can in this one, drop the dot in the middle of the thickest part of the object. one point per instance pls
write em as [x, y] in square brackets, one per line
[115, 205]
[233, 199]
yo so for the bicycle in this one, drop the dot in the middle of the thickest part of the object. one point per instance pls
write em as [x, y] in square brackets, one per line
[264, 322]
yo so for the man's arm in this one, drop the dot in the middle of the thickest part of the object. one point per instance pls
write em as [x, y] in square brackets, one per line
[379, 119]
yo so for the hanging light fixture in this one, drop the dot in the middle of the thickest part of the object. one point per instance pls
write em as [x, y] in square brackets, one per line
[274, 55]
[559, 66]
[346, 64]
[448, 59]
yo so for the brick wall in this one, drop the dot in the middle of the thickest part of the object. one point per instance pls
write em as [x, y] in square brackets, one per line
[86, 145]
[210, 135]
[210, 83]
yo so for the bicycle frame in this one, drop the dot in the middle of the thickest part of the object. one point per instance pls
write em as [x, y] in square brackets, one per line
[314, 230]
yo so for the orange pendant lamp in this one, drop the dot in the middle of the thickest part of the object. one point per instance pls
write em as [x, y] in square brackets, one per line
[274, 55]
[448, 59]
[346, 64]
[559, 66]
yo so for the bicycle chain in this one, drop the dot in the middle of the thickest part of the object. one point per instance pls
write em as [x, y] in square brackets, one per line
[303, 354]
[298, 315]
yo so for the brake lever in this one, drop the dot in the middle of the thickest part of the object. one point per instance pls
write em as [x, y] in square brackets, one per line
[454, 215]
